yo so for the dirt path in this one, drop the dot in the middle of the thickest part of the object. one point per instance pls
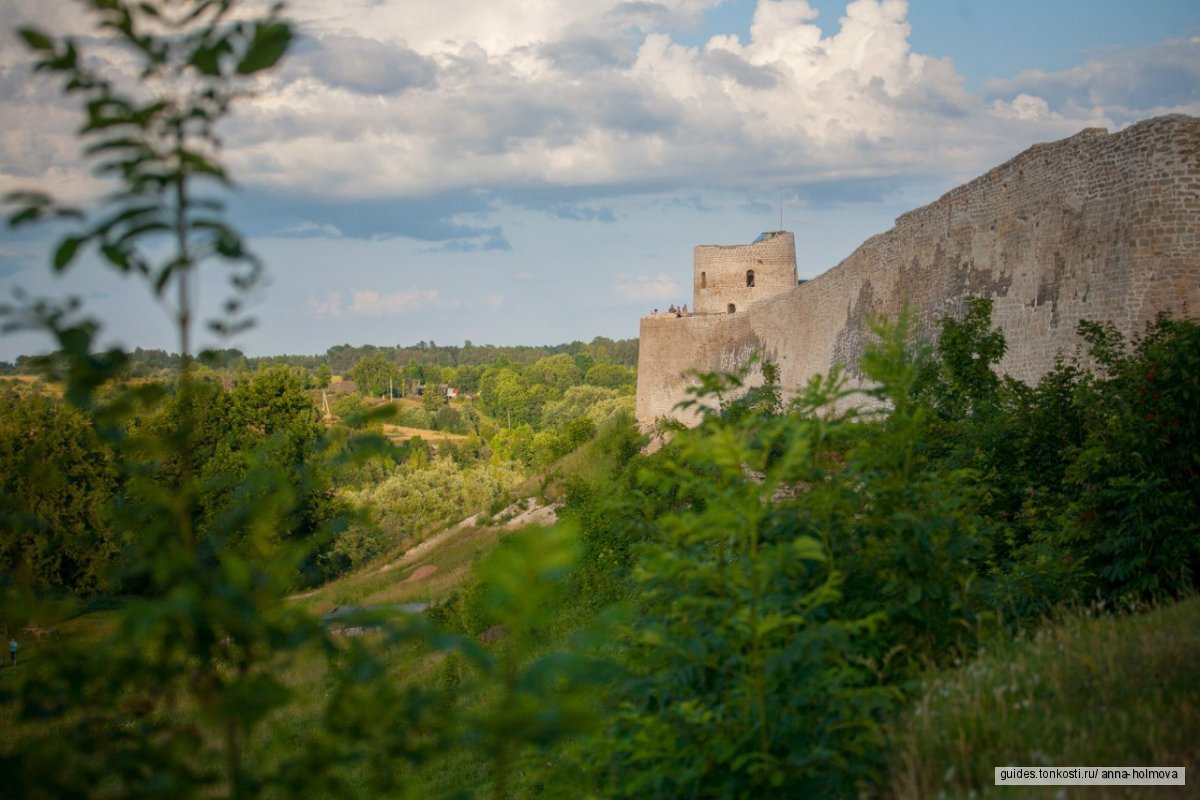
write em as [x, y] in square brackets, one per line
[421, 573]
[534, 515]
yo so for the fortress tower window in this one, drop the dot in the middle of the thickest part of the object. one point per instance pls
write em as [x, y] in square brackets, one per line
[732, 308]
[703, 280]
[750, 279]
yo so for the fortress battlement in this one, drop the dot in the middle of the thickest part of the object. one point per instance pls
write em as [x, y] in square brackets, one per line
[1097, 226]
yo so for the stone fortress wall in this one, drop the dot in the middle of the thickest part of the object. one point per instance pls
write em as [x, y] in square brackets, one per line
[1098, 226]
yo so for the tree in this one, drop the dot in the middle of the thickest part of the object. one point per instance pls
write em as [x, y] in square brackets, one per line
[558, 373]
[177, 693]
[612, 376]
[968, 349]
[434, 398]
[375, 376]
[507, 398]
[56, 479]
[183, 692]
[323, 375]
[513, 444]
[575, 403]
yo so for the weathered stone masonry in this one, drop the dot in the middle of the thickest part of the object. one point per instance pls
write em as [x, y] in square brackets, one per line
[1099, 226]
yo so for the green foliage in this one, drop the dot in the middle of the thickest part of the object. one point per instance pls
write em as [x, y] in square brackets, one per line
[414, 417]
[513, 444]
[510, 399]
[522, 580]
[914, 549]
[266, 424]
[547, 447]
[743, 675]
[410, 502]
[532, 697]
[56, 479]
[579, 431]
[433, 399]
[612, 510]
[179, 697]
[1086, 479]
[356, 413]
[612, 376]
[790, 570]
[451, 420]
[558, 373]
[965, 382]
[323, 376]
[1136, 479]
[576, 402]
[374, 376]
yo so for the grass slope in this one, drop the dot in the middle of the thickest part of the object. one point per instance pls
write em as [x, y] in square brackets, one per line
[1113, 691]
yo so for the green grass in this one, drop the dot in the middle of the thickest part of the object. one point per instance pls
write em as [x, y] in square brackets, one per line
[1113, 691]
[450, 558]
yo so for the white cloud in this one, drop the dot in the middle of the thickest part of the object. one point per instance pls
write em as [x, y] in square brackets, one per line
[371, 303]
[328, 306]
[1116, 85]
[310, 228]
[504, 26]
[646, 288]
[1022, 106]
[407, 99]
[503, 107]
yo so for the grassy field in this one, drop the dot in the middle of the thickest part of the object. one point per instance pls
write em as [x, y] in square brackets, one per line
[1113, 691]
[400, 434]
[23, 384]
[433, 571]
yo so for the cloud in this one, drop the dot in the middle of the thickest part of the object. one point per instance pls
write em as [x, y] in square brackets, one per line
[433, 218]
[1023, 106]
[328, 306]
[848, 191]
[583, 213]
[370, 303]
[488, 239]
[645, 288]
[586, 52]
[310, 228]
[561, 94]
[1119, 83]
[406, 118]
[692, 202]
[362, 64]
[725, 64]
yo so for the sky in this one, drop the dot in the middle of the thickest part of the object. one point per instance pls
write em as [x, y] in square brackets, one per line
[538, 171]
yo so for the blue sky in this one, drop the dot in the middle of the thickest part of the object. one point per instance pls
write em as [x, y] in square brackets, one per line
[538, 171]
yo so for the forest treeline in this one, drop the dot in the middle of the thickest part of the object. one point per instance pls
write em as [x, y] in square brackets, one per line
[341, 359]
[59, 475]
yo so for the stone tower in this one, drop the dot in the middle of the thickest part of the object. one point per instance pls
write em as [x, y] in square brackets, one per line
[1098, 226]
[730, 278]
